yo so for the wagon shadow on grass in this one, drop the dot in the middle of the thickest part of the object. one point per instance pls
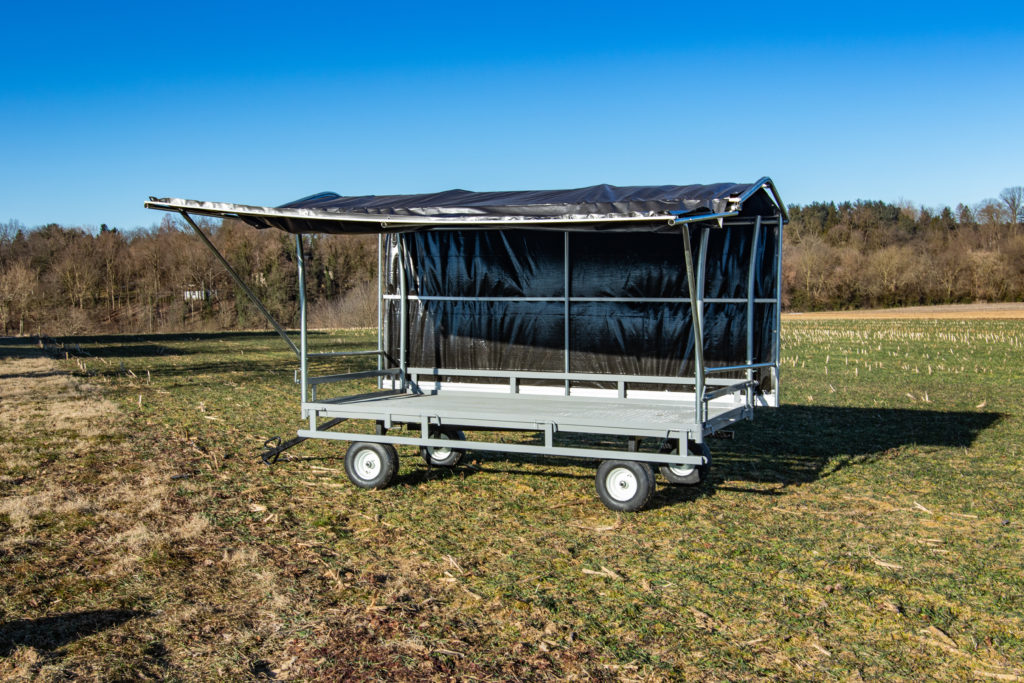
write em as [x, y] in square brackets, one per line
[53, 633]
[124, 346]
[798, 444]
[252, 351]
[791, 445]
[801, 444]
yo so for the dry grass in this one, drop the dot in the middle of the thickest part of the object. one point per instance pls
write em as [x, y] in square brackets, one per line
[868, 529]
[91, 525]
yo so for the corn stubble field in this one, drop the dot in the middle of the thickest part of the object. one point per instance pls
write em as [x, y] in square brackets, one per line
[870, 528]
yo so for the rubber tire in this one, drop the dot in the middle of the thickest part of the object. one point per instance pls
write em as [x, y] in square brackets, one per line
[694, 476]
[386, 466]
[643, 476]
[454, 456]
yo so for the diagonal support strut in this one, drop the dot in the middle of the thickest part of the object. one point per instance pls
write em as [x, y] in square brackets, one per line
[245, 288]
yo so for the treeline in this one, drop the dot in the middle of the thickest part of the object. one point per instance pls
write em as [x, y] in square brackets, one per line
[59, 280]
[872, 254]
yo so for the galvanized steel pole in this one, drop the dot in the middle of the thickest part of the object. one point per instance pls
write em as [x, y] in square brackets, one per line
[403, 283]
[304, 346]
[380, 306]
[750, 306]
[695, 318]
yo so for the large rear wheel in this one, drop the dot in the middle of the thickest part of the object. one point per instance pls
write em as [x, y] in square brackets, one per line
[624, 485]
[371, 465]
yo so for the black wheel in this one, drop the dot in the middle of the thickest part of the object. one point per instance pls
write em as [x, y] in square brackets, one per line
[624, 485]
[371, 465]
[443, 456]
[686, 475]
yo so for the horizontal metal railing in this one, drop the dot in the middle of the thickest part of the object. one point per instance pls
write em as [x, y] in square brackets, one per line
[733, 368]
[731, 389]
[328, 379]
[571, 376]
[515, 376]
[332, 354]
[577, 299]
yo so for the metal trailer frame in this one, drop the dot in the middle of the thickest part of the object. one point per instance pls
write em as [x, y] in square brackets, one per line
[417, 398]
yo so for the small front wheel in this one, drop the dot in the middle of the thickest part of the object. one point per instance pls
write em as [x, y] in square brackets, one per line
[445, 456]
[687, 475]
[371, 465]
[624, 485]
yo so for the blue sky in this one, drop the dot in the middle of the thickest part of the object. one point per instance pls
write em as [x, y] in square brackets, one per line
[103, 104]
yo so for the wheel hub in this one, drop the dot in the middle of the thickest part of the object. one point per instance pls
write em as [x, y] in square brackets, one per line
[367, 464]
[621, 484]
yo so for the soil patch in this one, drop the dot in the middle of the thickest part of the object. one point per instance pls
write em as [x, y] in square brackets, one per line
[1001, 311]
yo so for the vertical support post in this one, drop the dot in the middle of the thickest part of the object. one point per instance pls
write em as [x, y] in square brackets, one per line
[380, 307]
[303, 342]
[565, 292]
[698, 334]
[386, 260]
[701, 273]
[778, 315]
[750, 308]
[403, 283]
[702, 260]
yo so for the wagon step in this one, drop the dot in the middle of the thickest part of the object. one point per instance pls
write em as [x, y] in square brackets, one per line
[274, 447]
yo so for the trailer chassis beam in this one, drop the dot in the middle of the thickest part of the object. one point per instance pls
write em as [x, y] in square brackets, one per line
[517, 448]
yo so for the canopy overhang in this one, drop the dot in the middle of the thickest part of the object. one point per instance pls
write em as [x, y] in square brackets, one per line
[600, 207]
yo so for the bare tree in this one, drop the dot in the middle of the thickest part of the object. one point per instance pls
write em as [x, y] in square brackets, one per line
[1013, 198]
[891, 274]
[78, 272]
[8, 230]
[813, 262]
[990, 274]
[17, 286]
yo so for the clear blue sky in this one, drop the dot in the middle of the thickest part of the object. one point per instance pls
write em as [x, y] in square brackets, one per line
[103, 104]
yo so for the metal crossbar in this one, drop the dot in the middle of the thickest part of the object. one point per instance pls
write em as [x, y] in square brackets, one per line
[574, 376]
[328, 379]
[328, 354]
[731, 389]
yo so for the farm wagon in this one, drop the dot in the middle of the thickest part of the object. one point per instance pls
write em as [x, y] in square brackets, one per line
[594, 318]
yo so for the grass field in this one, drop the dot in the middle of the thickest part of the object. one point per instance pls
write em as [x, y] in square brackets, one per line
[870, 528]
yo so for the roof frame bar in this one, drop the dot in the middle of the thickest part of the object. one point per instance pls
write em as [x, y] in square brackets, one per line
[400, 223]
[765, 182]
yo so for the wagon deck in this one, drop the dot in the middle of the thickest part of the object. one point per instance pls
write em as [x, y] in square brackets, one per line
[547, 415]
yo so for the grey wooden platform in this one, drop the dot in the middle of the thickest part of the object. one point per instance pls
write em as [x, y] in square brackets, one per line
[632, 417]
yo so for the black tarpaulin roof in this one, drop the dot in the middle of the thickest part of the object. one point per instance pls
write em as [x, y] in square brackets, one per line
[599, 207]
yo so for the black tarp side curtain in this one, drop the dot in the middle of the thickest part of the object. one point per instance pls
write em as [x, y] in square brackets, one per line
[636, 337]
